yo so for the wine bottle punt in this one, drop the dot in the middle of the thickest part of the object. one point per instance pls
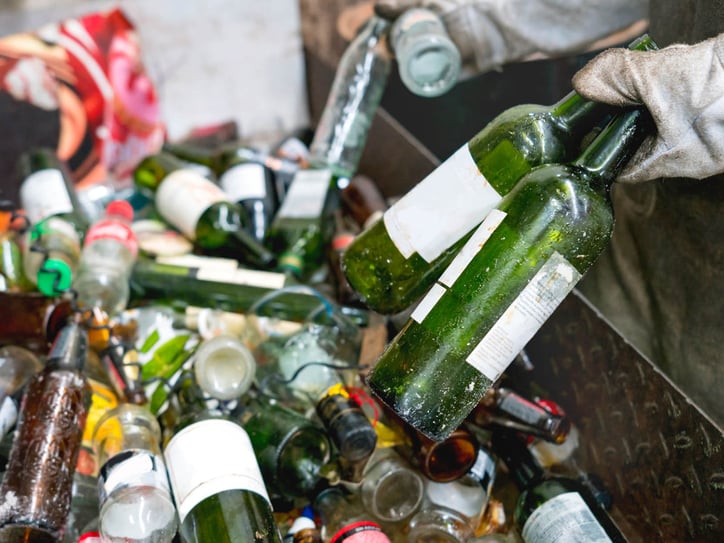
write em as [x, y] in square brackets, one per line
[507, 280]
[393, 263]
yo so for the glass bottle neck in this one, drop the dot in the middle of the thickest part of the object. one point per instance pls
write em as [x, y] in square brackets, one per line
[607, 155]
[524, 470]
[578, 115]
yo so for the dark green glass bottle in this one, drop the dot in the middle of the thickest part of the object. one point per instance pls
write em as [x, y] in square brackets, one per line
[393, 263]
[238, 291]
[551, 509]
[506, 281]
[200, 209]
[290, 448]
[215, 478]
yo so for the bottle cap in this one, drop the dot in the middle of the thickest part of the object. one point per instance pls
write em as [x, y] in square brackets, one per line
[120, 208]
[54, 277]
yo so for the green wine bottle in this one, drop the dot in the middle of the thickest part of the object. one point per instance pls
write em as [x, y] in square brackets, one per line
[551, 509]
[393, 263]
[506, 281]
[290, 448]
[215, 478]
[229, 288]
[200, 209]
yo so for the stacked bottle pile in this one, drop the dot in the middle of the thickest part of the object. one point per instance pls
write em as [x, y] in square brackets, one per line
[187, 364]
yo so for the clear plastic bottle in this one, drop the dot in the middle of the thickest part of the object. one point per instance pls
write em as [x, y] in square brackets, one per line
[427, 59]
[107, 259]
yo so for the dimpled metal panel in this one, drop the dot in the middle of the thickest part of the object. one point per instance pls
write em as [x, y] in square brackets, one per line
[657, 453]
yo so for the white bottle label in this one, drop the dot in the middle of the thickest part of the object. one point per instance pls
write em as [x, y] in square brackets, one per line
[441, 208]
[240, 276]
[8, 415]
[519, 323]
[244, 182]
[182, 198]
[306, 195]
[472, 247]
[458, 264]
[564, 519]
[209, 457]
[44, 193]
[132, 468]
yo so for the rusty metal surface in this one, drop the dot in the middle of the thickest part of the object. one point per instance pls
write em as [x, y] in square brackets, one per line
[659, 455]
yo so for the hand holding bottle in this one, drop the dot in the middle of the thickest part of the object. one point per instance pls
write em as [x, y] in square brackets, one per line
[680, 86]
[490, 34]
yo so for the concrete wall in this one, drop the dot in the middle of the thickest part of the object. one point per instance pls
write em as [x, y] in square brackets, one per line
[211, 60]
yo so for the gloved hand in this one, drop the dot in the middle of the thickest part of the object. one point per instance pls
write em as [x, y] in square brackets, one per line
[683, 88]
[490, 33]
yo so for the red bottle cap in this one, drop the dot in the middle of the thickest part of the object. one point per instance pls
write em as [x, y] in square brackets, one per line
[120, 208]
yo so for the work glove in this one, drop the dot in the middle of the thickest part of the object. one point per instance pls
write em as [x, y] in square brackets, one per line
[683, 88]
[490, 33]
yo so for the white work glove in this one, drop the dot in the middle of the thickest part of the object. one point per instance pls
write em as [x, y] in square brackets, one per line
[490, 33]
[683, 88]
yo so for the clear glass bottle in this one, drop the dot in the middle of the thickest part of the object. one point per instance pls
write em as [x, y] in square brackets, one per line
[506, 281]
[36, 488]
[307, 371]
[215, 478]
[134, 495]
[391, 489]
[427, 59]
[109, 252]
[224, 367]
[290, 448]
[397, 260]
[303, 225]
[357, 89]
[17, 366]
[199, 209]
[344, 519]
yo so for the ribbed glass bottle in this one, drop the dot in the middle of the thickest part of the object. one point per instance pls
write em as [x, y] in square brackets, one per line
[506, 281]
[395, 262]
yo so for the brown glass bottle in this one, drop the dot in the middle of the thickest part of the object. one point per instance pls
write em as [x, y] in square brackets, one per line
[36, 489]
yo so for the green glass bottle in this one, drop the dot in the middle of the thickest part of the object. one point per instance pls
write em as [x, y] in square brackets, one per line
[506, 281]
[200, 209]
[551, 509]
[393, 263]
[304, 225]
[290, 448]
[231, 289]
[215, 478]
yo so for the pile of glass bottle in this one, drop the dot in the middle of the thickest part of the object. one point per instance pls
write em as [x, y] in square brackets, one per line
[204, 381]
[225, 402]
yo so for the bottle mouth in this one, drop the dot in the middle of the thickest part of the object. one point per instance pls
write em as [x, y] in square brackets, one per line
[432, 69]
